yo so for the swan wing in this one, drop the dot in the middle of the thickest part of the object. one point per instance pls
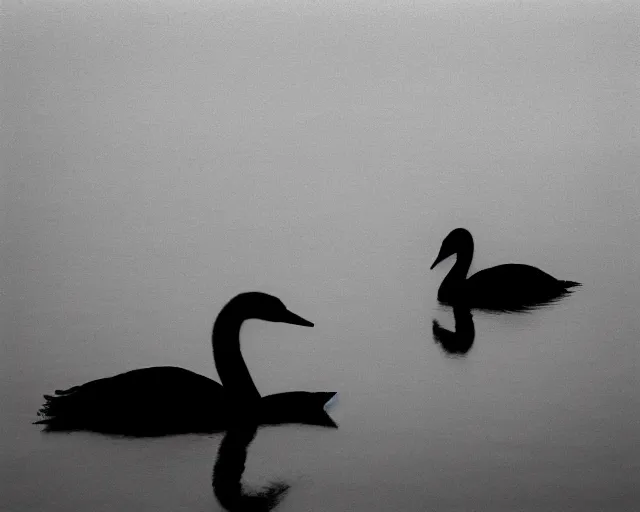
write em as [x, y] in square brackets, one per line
[134, 402]
[513, 287]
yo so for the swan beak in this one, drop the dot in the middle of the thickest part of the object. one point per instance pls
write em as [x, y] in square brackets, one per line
[440, 257]
[291, 318]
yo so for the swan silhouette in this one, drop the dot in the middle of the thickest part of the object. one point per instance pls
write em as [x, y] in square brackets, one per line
[169, 400]
[510, 287]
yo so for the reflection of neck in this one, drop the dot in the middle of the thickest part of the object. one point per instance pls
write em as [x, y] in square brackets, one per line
[461, 340]
[229, 466]
[230, 365]
[228, 470]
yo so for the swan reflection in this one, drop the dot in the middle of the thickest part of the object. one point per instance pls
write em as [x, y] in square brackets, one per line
[229, 468]
[459, 341]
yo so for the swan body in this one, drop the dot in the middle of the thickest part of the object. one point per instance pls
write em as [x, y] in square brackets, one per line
[170, 400]
[510, 287]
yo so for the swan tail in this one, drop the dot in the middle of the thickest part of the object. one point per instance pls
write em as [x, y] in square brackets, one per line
[307, 408]
[569, 284]
[48, 411]
[56, 408]
[59, 412]
[325, 400]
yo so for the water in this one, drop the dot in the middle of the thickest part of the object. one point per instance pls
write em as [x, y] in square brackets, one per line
[162, 158]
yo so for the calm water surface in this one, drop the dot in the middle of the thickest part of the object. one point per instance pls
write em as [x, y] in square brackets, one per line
[164, 156]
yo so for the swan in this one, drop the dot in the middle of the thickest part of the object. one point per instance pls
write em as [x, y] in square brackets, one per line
[510, 287]
[169, 400]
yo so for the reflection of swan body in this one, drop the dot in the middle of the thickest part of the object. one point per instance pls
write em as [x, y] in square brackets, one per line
[169, 400]
[460, 341]
[510, 287]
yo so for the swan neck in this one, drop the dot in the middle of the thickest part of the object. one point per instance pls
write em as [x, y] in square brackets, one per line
[460, 269]
[463, 262]
[449, 289]
[228, 359]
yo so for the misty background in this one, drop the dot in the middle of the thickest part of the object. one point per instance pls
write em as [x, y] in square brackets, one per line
[160, 157]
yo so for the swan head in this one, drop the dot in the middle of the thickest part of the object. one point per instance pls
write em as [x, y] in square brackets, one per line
[459, 239]
[265, 307]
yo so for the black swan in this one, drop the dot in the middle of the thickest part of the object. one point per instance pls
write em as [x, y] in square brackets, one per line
[510, 287]
[169, 400]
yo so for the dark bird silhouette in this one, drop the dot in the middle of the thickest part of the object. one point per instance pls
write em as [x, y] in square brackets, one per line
[169, 400]
[510, 287]
[460, 341]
